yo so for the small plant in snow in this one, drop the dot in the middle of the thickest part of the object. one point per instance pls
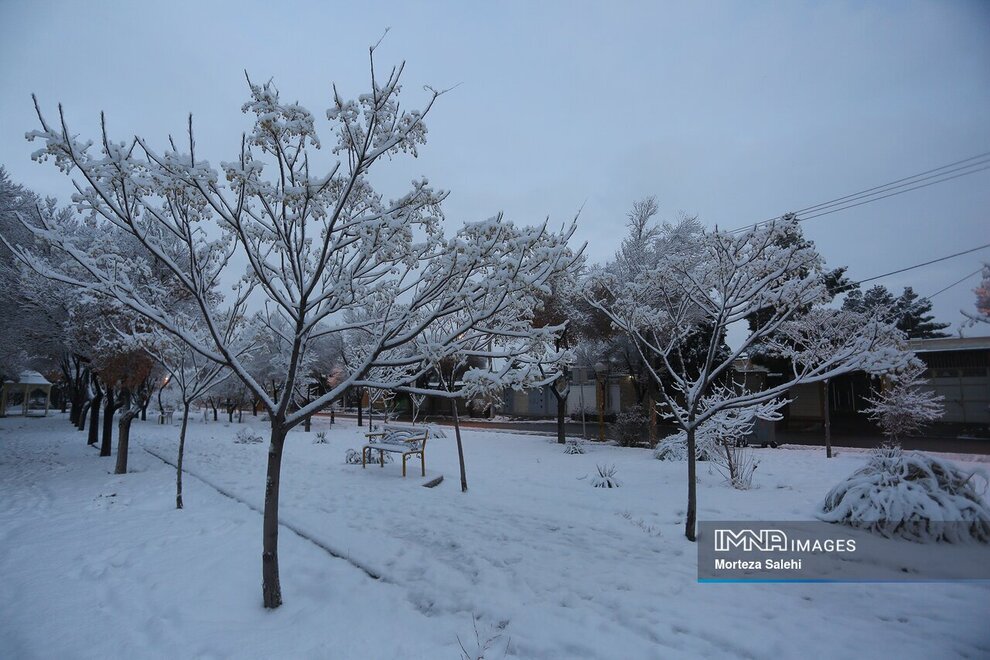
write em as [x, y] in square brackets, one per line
[905, 407]
[246, 436]
[321, 438]
[912, 496]
[606, 477]
[353, 457]
[736, 464]
[482, 647]
[651, 530]
[574, 446]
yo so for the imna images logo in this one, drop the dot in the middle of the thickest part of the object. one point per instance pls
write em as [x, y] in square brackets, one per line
[747, 540]
[775, 540]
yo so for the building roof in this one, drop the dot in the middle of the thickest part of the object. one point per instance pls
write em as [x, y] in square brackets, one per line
[949, 344]
[32, 378]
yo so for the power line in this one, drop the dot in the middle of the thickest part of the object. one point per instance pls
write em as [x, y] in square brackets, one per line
[899, 192]
[941, 174]
[908, 180]
[927, 263]
[959, 281]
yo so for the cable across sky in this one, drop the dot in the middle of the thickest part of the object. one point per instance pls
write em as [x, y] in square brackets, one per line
[931, 177]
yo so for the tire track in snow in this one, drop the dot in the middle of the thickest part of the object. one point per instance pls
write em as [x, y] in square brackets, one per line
[336, 554]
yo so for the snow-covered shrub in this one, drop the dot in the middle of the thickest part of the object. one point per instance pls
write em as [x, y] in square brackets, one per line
[246, 436]
[905, 406]
[736, 464]
[321, 438]
[606, 477]
[587, 414]
[674, 448]
[574, 446]
[912, 496]
[631, 427]
[353, 457]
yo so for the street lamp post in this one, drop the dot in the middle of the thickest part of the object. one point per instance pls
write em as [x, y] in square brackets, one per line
[600, 371]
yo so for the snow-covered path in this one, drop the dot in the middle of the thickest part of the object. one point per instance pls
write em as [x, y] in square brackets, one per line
[552, 567]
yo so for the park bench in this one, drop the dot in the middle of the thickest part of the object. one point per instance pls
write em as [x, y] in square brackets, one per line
[166, 415]
[405, 440]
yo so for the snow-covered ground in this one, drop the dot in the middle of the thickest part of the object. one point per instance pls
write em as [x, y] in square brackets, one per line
[96, 565]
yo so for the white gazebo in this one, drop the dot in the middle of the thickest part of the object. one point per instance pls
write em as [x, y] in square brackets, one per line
[27, 385]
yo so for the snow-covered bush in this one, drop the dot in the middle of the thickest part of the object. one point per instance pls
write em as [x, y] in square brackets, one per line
[606, 477]
[353, 457]
[905, 406]
[631, 427]
[321, 438]
[912, 496]
[737, 464]
[674, 448]
[246, 436]
[574, 446]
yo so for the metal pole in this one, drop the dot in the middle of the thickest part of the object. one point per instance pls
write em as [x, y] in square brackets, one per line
[601, 409]
[584, 426]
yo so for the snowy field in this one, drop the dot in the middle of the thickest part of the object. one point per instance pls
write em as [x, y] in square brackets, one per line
[541, 563]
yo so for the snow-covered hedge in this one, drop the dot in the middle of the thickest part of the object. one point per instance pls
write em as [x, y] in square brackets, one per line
[912, 496]
[674, 448]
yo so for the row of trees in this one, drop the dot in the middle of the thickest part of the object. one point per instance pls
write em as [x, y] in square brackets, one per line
[259, 271]
[319, 250]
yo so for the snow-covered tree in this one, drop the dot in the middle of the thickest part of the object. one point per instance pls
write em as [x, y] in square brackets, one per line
[911, 313]
[192, 375]
[697, 285]
[982, 314]
[905, 405]
[317, 244]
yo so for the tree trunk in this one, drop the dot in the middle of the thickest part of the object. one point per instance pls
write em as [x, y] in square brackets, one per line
[271, 589]
[653, 422]
[360, 410]
[123, 438]
[308, 424]
[108, 411]
[460, 447]
[214, 413]
[94, 418]
[74, 409]
[144, 410]
[692, 507]
[78, 396]
[561, 415]
[81, 419]
[828, 422]
[182, 449]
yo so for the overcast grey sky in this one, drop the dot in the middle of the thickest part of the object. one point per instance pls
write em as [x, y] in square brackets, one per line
[734, 111]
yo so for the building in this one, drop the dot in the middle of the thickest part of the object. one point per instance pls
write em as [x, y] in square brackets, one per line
[959, 370]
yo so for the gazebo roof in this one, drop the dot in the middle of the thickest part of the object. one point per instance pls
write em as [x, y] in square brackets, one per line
[32, 378]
